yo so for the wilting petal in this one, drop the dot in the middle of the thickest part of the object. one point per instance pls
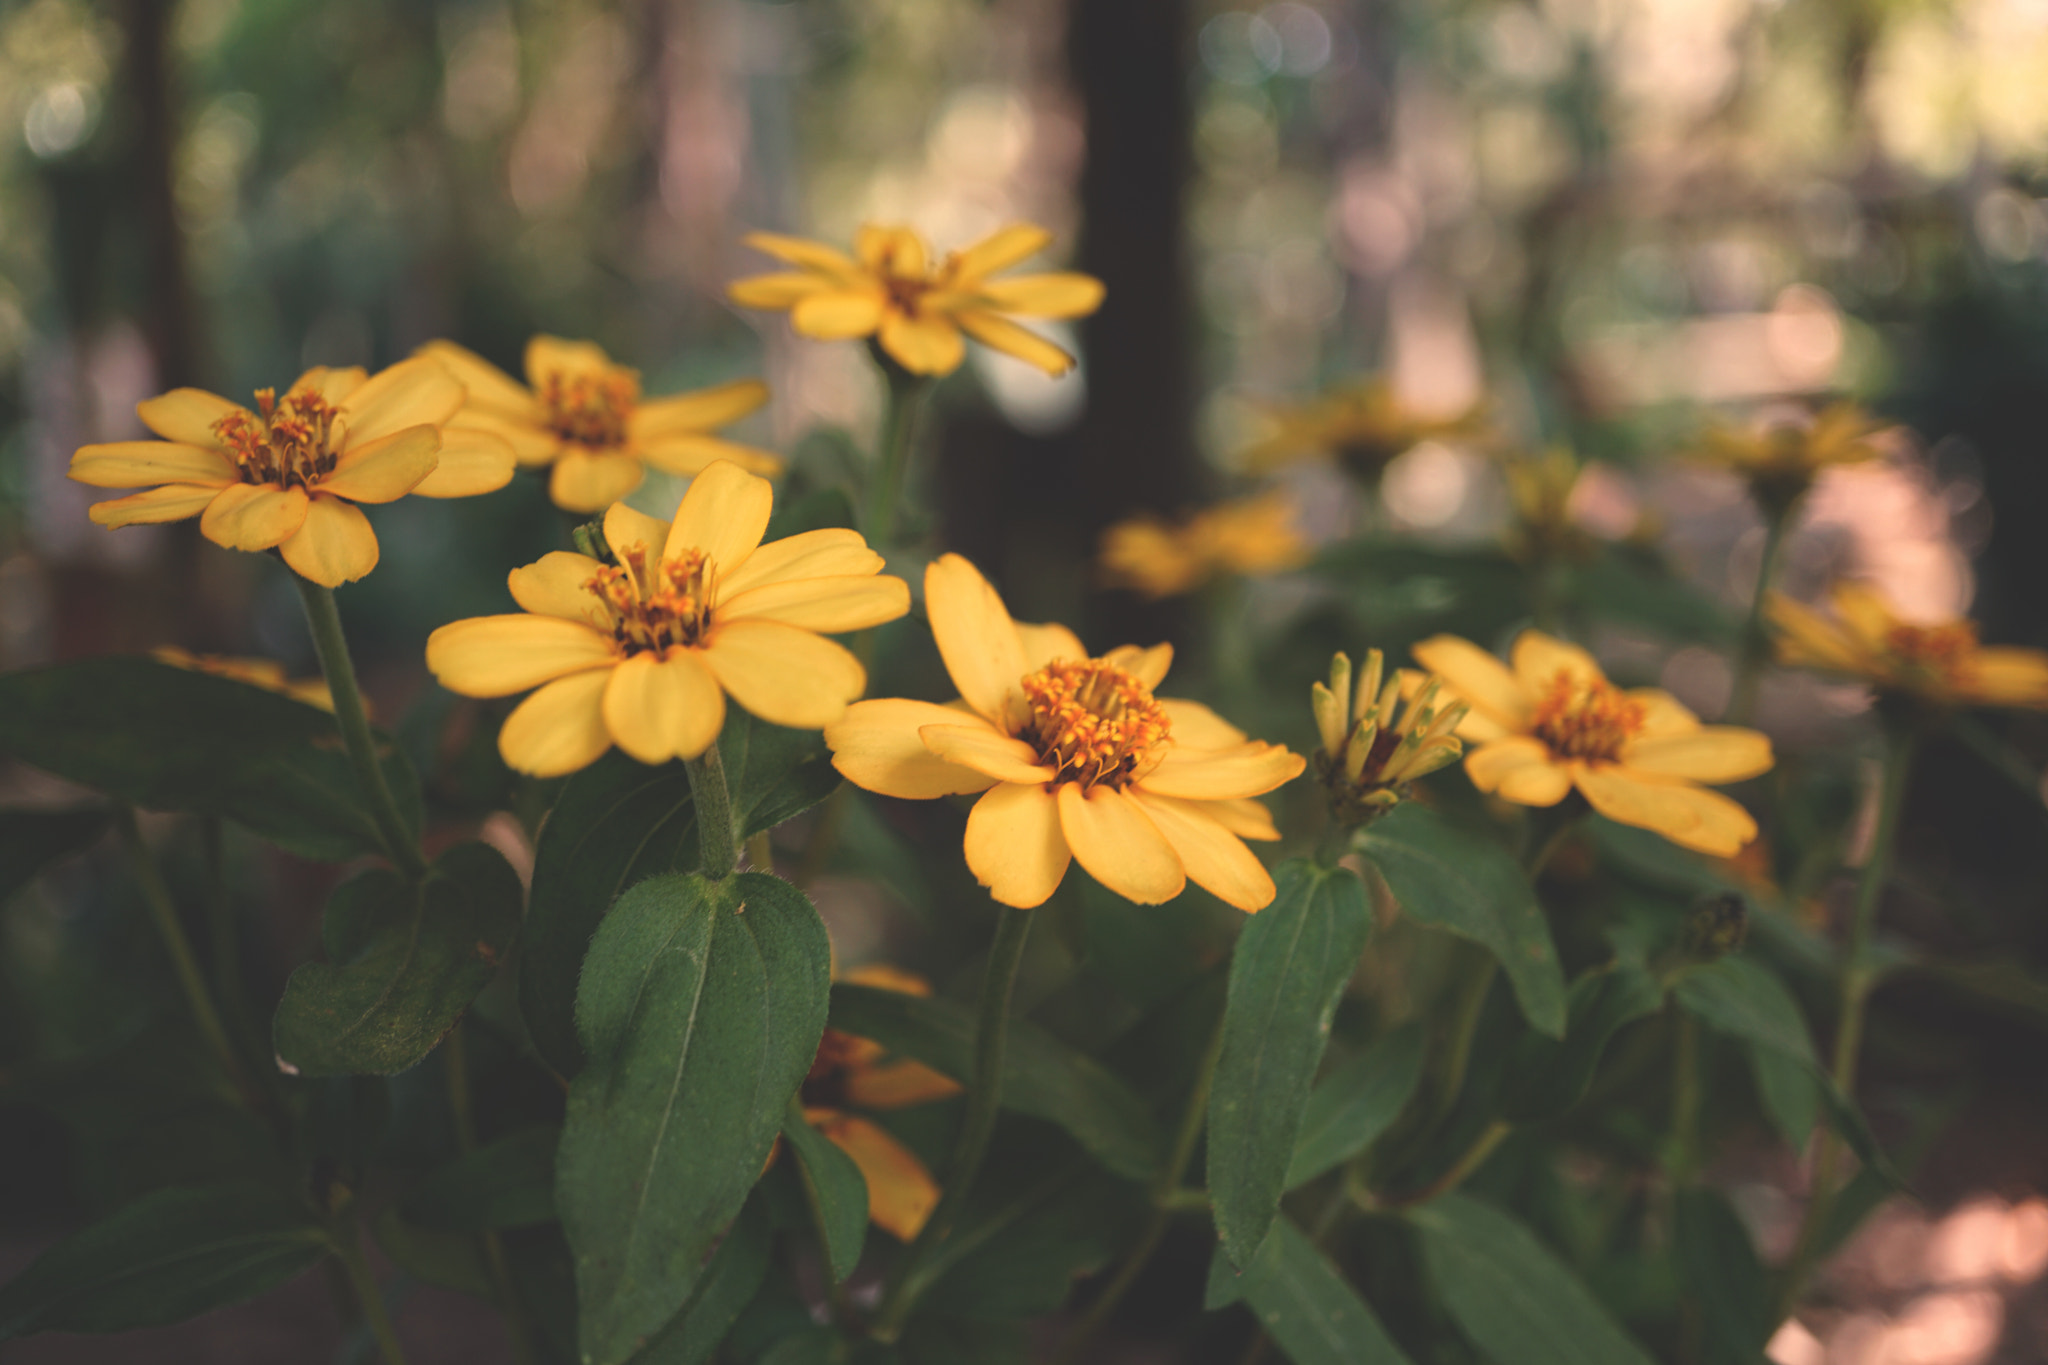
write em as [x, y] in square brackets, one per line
[975, 635]
[876, 746]
[1149, 666]
[546, 355]
[1478, 678]
[386, 469]
[974, 745]
[1062, 294]
[590, 481]
[803, 252]
[783, 289]
[701, 411]
[625, 527]
[829, 553]
[495, 656]
[2001, 675]
[1251, 769]
[1195, 726]
[723, 514]
[1043, 644]
[895, 1085]
[560, 728]
[186, 416]
[145, 464]
[1118, 845]
[658, 708]
[1216, 860]
[829, 606]
[1687, 815]
[333, 545]
[999, 250]
[1663, 714]
[922, 345]
[472, 462]
[1014, 846]
[485, 384]
[1538, 658]
[558, 584]
[1245, 817]
[172, 502]
[253, 516]
[684, 454]
[901, 1192]
[839, 315]
[784, 675]
[1520, 769]
[1712, 753]
[408, 394]
[1001, 334]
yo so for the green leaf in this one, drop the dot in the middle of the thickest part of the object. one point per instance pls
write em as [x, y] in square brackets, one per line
[167, 1257]
[405, 963]
[1788, 1093]
[1545, 1077]
[1356, 1102]
[509, 1183]
[700, 1012]
[1041, 1076]
[1466, 884]
[1506, 1291]
[1737, 997]
[729, 1282]
[1638, 591]
[1286, 976]
[1304, 1304]
[173, 739]
[774, 772]
[1018, 1258]
[1719, 1272]
[837, 1192]
[31, 840]
[452, 1260]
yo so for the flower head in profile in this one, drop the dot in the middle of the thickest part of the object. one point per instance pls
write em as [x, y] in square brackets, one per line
[267, 674]
[1158, 558]
[1074, 757]
[1936, 665]
[1376, 741]
[1540, 489]
[583, 419]
[1781, 459]
[643, 651]
[915, 306]
[288, 475]
[1552, 722]
[1361, 427]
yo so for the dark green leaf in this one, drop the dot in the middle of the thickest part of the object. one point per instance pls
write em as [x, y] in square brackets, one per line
[700, 1012]
[504, 1184]
[1020, 1259]
[167, 1257]
[1506, 1291]
[1304, 1304]
[1856, 1201]
[31, 840]
[169, 738]
[939, 1339]
[837, 1192]
[452, 1260]
[1623, 587]
[1356, 1102]
[1545, 1077]
[1787, 1090]
[1459, 881]
[1286, 976]
[1042, 1076]
[729, 1282]
[1719, 1272]
[405, 962]
[1737, 997]
[774, 772]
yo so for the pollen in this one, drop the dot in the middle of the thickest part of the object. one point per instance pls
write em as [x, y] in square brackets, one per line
[659, 606]
[283, 443]
[1590, 720]
[590, 407]
[1940, 652]
[1095, 722]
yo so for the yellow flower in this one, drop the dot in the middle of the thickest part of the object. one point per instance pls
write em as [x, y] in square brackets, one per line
[1540, 492]
[642, 653]
[1361, 427]
[1940, 665]
[892, 290]
[1253, 536]
[1554, 722]
[288, 475]
[1374, 745]
[264, 673]
[1074, 756]
[1782, 459]
[584, 416]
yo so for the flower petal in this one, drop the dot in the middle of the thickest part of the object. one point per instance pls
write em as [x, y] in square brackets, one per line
[1061, 294]
[1245, 817]
[690, 454]
[976, 637]
[186, 415]
[1195, 726]
[1216, 860]
[533, 442]
[723, 514]
[1807, 639]
[999, 250]
[993, 755]
[473, 461]
[901, 1192]
[1149, 665]
[495, 656]
[827, 605]
[1118, 845]
[560, 728]
[590, 481]
[876, 746]
[779, 290]
[1001, 334]
[1712, 753]
[253, 516]
[839, 315]
[546, 355]
[660, 707]
[828, 553]
[484, 384]
[803, 252]
[1538, 658]
[144, 464]
[332, 382]
[172, 502]
[1043, 644]
[625, 527]
[386, 469]
[1479, 679]
[1864, 611]
[885, 249]
[896, 1085]
[1520, 769]
[784, 675]
[333, 545]
[1250, 769]
[409, 393]
[2003, 675]
[1690, 816]
[557, 584]
[1014, 845]
[925, 345]
[698, 411]
[1663, 714]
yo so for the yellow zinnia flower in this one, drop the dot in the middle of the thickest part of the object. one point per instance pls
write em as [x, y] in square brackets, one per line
[1782, 459]
[584, 416]
[1074, 756]
[267, 674]
[1939, 665]
[642, 652]
[1159, 559]
[1553, 722]
[1391, 732]
[1361, 427]
[892, 290]
[288, 475]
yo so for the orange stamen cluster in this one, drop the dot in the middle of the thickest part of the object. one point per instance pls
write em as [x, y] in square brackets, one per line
[590, 407]
[654, 609]
[1094, 722]
[1940, 652]
[290, 443]
[1592, 721]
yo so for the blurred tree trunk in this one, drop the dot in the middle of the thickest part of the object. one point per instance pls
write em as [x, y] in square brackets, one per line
[170, 317]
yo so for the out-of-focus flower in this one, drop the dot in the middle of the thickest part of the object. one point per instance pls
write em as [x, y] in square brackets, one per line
[584, 419]
[1075, 758]
[1374, 743]
[1158, 558]
[1781, 459]
[267, 674]
[1361, 427]
[892, 290]
[1939, 665]
[1540, 493]
[288, 475]
[643, 651]
[1553, 722]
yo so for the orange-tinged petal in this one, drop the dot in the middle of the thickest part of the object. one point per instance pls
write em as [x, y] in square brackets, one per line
[658, 708]
[546, 355]
[1663, 714]
[839, 314]
[1538, 658]
[1062, 294]
[1520, 769]
[144, 464]
[828, 553]
[976, 637]
[896, 1085]
[784, 675]
[1686, 815]
[698, 411]
[885, 976]
[1712, 753]
[333, 545]
[801, 251]
[1250, 769]
[1043, 644]
[1149, 666]
[1001, 334]
[782, 289]
[1121, 848]
[827, 605]
[472, 462]
[1195, 726]
[172, 502]
[408, 394]
[901, 1192]
[999, 250]
[687, 454]
[186, 415]
[590, 481]
[993, 755]
[253, 516]
[485, 384]
[1216, 860]
[723, 514]
[1245, 817]
[1014, 844]
[876, 746]
[1479, 679]
[625, 527]
[920, 345]
[2001, 675]
[558, 584]
[560, 728]
[495, 656]
[386, 469]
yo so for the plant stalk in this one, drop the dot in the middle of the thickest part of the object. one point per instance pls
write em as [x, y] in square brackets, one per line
[907, 395]
[1756, 641]
[349, 1251]
[462, 1113]
[715, 833]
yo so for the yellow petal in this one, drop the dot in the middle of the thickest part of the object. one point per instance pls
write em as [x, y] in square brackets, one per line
[408, 394]
[1538, 658]
[484, 384]
[625, 527]
[999, 250]
[1807, 639]
[1479, 679]
[332, 382]
[1244, 817]
[784, 675]
[546, 355]
[186, 415]
[386, 469]
[991, 754]
[828, 553]
[1063, 294]
[884, 976]
[533, 442]
[700, 411]
[558, 584]
[1014, 846]
[976, 637]
[891, 250]
[495, 656]
[658, 708]
[143, 464]
[1148, 665]
[838, 315]
[896, 1085]
[1216, 860]
[1195, 726]
[1250, 769]
[333, 545]
[472, 462]
[253, 516]
[1118, 845]
[172, 502]
[1686, 815]
[1712, 753]
[587, 481]
[688, 454]
[1520, 769]
[2001, 675]
[723, 514]
[560, 728]
[901, 1192]
[1663, 714]
[921, 345]
[827, 605]
[1043, 644]
[803, 252]
[1863, 611]
[1001, 334]
[876, 746]
[780, 290]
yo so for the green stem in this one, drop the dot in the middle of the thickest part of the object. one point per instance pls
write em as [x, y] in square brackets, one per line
[1470, 1160]
[1685, 1096]
[1334, 844]
[760, 852]
[349, 1251]
[1756, 641]
[907, 395]
[984, 1099]
[332, 646]
[715, 833]
[462, 1112]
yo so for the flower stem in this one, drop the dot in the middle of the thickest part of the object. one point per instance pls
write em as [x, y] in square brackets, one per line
[984, 1098]
[715, 833]
[1756, 641]
[332, 646]
[349, 1251]
[907, 395]
[462, 1112]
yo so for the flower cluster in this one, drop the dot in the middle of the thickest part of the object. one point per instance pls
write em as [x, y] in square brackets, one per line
[1157, 558]
[1391, 731]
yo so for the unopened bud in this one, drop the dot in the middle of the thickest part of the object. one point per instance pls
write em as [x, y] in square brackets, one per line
[1716, 926]
[1330, 718]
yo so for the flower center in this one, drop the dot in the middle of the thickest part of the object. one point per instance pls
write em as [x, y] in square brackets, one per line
[1094, 722]
[590, 407]
[1938, 653]
[656, 608]
[1592, 721]
[291, 442]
